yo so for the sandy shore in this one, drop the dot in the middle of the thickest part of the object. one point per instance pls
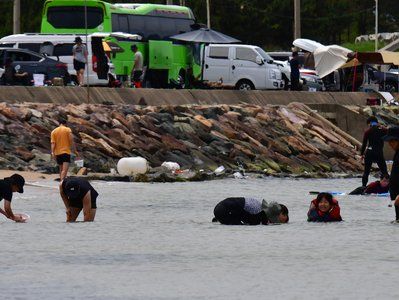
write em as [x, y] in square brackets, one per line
[29, 175]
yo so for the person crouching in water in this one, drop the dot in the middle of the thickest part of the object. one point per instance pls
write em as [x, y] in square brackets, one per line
[8, 186]
[249, 211]
[324, 209]
[377, 187]
[78, 194]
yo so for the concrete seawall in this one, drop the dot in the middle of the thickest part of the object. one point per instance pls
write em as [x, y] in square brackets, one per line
[156, 97]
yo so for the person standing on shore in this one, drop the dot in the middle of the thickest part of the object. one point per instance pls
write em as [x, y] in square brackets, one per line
[78, 194]
[295, 74]
[137, 70]
[392, 137]
[61, 146]
[372, 149]
[79, 52]
[8, 186]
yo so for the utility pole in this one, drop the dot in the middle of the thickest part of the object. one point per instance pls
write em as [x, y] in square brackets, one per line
[182, 2]
[376, 25]
[17, 17]
[169, 2]
[297, 19]
[208, 13]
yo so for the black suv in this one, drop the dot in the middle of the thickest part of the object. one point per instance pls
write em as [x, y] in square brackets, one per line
[33, 63]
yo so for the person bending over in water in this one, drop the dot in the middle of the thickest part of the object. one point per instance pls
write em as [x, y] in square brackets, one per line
[249, 211]
[377, 187]
[324, 209]
[78, 194]
[8, 186]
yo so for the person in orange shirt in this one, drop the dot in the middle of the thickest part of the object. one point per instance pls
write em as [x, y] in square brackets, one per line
[61, 146]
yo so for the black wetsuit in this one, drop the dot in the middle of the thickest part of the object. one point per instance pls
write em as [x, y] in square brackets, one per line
[236, 211]
[372, 148]
[5, 190]
[394, 181]
[75, 189]
[295, 74]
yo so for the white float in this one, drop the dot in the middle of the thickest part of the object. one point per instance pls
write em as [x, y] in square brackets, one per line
[132, 165]
[170, 165]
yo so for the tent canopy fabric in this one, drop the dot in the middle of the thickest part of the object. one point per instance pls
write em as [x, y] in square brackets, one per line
[330, 58]
[205, 35]
[307, 44]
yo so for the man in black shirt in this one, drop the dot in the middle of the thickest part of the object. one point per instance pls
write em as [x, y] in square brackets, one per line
[295, 74]
[78, 194]
[8, 186]
[392, 138]
[372, 149]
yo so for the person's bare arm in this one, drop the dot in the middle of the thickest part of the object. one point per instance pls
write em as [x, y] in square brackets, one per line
[9, 212]
[66, 203]
[52, 150]
[73, 145]
[87, 207]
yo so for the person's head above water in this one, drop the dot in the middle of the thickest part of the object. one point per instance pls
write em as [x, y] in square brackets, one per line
[384, 180]
[324, 202]
[372, 121]
[17, 183]
[275, 212]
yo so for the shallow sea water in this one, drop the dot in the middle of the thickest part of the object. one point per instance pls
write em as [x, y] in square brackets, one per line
[156, 241]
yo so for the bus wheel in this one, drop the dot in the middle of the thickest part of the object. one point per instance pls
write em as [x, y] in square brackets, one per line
[245, 85]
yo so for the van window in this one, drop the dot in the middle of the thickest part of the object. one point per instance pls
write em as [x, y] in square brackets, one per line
[35, 47]
[22, 56]
[63, 49]
[246, 54]
[219, 52]
[72, 17]
[7, 45]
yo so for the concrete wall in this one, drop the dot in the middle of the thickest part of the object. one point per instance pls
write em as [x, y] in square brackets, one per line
[172, 97]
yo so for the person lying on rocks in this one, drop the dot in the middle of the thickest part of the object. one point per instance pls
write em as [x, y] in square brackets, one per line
[78, 194]
[377, 187]
[8, 186]
[324, 209]
[249, 211]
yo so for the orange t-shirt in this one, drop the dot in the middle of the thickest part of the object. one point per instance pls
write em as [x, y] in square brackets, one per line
[60, 136]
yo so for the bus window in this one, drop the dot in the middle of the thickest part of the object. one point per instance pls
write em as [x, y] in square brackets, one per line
[74, 17]
[123, 23]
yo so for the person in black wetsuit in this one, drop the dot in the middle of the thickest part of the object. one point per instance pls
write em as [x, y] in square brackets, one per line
[249, 211]
[8, 186]
[392, 137]
[78, 194]
[377, 187]
[372, 149]
[295, 74]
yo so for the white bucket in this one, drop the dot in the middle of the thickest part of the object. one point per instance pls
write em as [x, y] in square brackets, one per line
[132, 165]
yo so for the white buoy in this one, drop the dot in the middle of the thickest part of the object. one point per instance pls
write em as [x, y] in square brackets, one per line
[132, 165]
[173, 166]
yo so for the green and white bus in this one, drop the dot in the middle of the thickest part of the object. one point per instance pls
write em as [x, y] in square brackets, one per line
[165, 59]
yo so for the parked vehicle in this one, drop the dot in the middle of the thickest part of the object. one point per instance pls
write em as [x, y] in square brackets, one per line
[387, 81]
[59, 47]
[33, 63]
[244, 67]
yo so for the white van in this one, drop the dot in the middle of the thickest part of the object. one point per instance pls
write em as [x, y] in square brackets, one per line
[245, 67]
[59, 46]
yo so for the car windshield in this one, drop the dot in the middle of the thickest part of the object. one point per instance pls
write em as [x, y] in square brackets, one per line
[264, 55]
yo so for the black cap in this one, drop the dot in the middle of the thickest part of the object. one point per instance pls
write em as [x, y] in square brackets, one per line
[72, 188]
[392, 134]
[78, 39]
[19, 181]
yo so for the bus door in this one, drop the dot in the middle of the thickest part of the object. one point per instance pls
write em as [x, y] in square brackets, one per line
[160, 61]
[99, 58]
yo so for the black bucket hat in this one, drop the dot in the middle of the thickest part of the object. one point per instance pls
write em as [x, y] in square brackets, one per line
[78, 39]
[392, 134]
[19, 181]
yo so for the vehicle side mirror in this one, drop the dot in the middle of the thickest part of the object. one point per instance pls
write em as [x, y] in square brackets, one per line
[259, 60]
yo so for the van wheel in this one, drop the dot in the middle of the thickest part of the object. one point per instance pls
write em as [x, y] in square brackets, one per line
[245, 85]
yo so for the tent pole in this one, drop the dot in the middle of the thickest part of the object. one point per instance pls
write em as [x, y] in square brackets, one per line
[354, 74]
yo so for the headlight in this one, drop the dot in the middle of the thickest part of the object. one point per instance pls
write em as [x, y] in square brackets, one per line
[272, 74]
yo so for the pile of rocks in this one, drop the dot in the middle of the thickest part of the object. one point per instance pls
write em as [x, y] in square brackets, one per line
[289, 139]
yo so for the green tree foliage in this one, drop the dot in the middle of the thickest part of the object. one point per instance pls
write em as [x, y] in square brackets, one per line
[265, 23]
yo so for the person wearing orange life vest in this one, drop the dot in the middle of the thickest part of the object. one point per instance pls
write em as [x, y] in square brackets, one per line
[324, 209]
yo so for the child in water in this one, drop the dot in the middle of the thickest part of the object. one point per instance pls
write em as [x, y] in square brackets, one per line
[324, 209]
[249, 211]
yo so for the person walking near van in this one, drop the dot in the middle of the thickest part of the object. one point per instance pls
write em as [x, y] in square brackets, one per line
[137, 70]
[79, 52]
[294, 64]
[61, 146]
[372, 149]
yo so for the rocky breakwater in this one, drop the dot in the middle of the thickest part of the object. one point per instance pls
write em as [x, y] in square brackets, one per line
[272, 140]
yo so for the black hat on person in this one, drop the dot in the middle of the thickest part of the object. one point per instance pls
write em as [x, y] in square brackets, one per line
[72, 188]
[78, 39]
[19, 181]
[392, 134]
